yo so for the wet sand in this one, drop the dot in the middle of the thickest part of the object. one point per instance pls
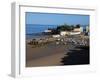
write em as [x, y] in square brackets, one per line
[48, 55]
[51, 60]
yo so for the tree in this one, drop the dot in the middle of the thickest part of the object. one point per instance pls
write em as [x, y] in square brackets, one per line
[65, 27]
[77, 26]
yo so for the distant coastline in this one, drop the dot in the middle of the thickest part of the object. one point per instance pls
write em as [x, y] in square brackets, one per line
[33, 29]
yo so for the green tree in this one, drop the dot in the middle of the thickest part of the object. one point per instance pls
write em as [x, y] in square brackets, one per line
[65, 27]
[78, 26]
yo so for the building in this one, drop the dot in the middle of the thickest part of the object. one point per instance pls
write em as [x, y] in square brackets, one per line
[80, 29]
[75, 33]
[87, 29]
[64, 33]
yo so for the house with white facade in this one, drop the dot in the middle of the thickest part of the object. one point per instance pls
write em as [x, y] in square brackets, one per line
[64, 33]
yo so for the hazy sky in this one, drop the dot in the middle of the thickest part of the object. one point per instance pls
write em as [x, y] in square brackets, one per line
[56, 19]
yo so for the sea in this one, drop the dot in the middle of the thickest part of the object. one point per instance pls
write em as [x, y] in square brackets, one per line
[34, 31]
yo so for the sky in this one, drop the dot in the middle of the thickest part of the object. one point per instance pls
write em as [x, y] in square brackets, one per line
[56, 19]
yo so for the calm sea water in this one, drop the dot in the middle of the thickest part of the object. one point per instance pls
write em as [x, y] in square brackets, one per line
[30, 29]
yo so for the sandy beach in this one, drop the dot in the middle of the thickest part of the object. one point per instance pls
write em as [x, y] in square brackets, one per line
[48, 55]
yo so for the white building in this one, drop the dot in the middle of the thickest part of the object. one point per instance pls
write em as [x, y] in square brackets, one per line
[80, 29]
[75, 33]
[64, 33]
[87, 28]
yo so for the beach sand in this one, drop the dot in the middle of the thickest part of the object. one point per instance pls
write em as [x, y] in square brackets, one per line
[51, 60]
[48, 55]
